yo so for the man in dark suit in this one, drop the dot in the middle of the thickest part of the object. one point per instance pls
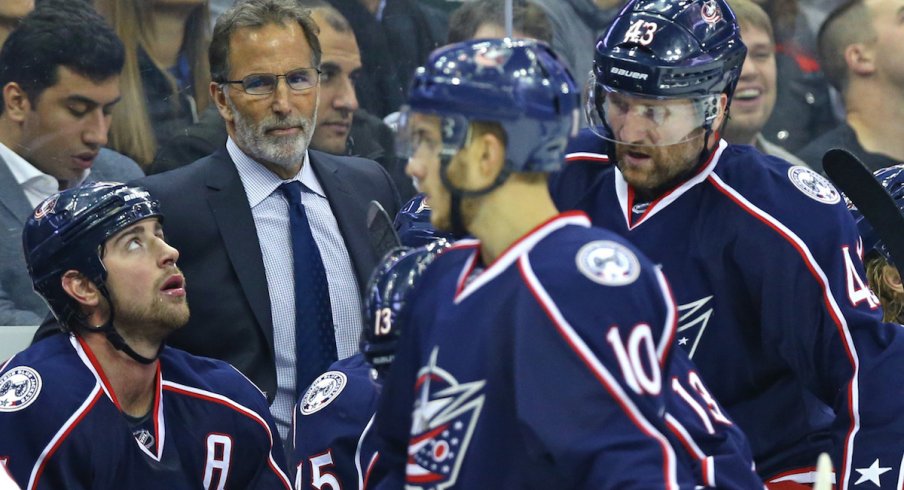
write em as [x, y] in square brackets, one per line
[228, 216]
[59, 74]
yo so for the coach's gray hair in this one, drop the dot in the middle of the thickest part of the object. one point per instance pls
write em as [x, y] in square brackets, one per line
[255, 14]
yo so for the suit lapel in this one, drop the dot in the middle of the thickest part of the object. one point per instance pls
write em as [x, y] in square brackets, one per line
[11, 195]
[350, 212]
[229, 205]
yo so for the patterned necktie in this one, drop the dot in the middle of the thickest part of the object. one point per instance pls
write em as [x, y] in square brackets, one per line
[315, 340]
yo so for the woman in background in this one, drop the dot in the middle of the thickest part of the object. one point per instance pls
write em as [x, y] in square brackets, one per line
[166, 75]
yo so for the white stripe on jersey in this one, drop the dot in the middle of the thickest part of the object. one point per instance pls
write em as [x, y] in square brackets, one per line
[60, 435]
[217, 398]
[599, 370]
[832, 306]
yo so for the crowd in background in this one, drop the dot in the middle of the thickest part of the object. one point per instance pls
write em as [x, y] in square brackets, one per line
[165, 77]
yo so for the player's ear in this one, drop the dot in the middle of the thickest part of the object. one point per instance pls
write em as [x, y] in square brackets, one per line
[489, 151]
[80, 288]
[892, 279]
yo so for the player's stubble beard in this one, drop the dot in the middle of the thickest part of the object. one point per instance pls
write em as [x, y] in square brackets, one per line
[149, 321]
[286, 152]
[670, 163]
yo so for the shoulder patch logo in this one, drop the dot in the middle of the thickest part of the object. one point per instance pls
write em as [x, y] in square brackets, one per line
[814, 185]
[608, 263]
[322, 392]
[19, 387]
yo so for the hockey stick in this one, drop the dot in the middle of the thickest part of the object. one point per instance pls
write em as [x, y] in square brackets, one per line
[383, 237]
[871, 199]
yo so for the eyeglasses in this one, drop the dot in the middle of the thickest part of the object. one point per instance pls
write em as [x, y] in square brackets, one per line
[265, 83]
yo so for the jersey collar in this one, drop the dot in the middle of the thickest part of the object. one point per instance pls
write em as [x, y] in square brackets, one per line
[523, 245]
[625, 192]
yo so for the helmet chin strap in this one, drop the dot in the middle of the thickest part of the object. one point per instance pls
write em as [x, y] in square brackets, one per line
[456, 194]
[116, 339]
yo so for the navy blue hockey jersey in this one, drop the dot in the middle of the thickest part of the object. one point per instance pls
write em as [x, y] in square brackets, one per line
[765, 263]
[551, 368]
[333, 441]
[61, 426]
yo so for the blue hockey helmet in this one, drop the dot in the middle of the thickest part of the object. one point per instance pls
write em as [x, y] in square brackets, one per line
[668, 50]
[67, 231]
[385, 296]
[519, 84]
[413, 224]
[892, 178]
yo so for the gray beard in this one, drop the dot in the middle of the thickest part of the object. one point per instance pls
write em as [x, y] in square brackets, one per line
[286, 152]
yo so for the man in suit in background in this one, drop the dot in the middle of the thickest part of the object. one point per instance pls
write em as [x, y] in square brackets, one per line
[343, 127]
[232, 217]
[59, 73]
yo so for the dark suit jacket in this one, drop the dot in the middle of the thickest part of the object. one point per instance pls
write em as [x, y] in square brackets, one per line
[207, 218]
[19, 304]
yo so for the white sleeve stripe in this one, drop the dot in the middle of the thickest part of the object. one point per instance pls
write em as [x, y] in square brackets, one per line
[832, 306]
[61, 435]
[710, 470]
[682, 433]
[707, 466]
[358, 451]
[598, 370]
[217, 398]
[586, 155]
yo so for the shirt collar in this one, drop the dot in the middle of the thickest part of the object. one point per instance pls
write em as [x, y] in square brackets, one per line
[260, 182]
[20, 168]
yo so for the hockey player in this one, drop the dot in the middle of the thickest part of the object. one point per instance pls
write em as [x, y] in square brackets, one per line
[542, 355]
[109, 405]
[334, 444]
[882, 273]
[762, 255]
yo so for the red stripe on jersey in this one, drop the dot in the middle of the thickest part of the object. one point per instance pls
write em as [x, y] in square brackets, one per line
[598, 372]
[796, 479]
[836, 316]
[33, 483]
[640, 219]
[226, 402]
[99, 370]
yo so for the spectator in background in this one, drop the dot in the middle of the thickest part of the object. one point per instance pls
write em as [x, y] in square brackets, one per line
[11, 13]
[342, 128]
[860, 45]
[395, 37]
[576, 24]
[754, 97]
[165, 78]
[803, 109]
[479, 19]
[59, 73]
